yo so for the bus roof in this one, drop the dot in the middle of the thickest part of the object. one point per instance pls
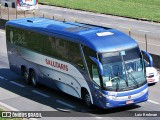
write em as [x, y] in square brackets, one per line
[97, 38]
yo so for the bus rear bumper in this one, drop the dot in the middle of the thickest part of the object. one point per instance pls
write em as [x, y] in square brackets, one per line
[27, 8]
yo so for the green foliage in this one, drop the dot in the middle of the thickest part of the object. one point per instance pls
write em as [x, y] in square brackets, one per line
[146, 9]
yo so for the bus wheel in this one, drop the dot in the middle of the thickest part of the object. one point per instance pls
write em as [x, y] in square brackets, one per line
[87, 99]
[25, 75]
[33, 79]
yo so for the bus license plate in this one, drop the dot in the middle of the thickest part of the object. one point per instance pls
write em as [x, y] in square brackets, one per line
[129, 102]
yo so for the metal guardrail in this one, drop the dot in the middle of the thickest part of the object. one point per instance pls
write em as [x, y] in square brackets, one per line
[8, 13]
[12, 13]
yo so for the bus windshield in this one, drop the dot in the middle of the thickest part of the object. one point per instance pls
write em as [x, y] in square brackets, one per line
[123, 70]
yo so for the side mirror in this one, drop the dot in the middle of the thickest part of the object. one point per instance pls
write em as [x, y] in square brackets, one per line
[149, 58]
[99, 64]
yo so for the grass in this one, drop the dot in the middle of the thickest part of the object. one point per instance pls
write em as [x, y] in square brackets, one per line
[7, 118]
[142, 9]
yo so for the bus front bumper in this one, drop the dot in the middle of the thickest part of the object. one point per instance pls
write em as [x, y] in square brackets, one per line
[117, 99]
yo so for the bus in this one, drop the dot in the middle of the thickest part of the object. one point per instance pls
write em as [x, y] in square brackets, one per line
[100, 65]
[20, 4]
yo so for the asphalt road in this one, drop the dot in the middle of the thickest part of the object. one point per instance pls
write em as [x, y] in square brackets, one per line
[17, 96]
[138, 28]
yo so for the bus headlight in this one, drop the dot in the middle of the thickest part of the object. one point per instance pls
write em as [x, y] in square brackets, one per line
[144, 91]
[111, 95]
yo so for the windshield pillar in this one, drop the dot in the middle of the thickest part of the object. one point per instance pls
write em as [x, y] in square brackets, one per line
[91, 66]
[124, 65]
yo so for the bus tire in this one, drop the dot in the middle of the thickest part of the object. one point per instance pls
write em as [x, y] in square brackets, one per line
[33, 78]
[25, 74]
[87, 99]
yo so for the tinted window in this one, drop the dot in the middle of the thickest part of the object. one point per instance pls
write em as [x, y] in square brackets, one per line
[36, 42]
[74, 54]
[88, 52]
[17, 37]
[29, 40]
[47, 45]
[61, 48]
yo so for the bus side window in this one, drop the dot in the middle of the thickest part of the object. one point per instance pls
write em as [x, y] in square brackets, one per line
[91, 65]
[17, 37]
[49, 43]
[61, 49]
[74, 54]
[35, 41]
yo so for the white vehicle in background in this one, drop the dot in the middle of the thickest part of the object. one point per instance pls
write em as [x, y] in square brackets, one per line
[20, 4]
[151, 74]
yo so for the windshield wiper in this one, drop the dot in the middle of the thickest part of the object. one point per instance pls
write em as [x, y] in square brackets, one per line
[125, 70]
[133, 79]
[117, 84]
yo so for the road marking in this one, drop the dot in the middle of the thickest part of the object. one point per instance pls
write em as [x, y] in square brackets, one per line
[63, 110]
[18, 84]
[72, 17]
[99, 117]
[45, 12]
[2, 32]
[88, 20]
[39, 93]
[120, 18]
[140, 41]
[151, 101]
[57, 15]
[96, 116]
[105, 24]
[2, 78]
[8, 107]
[148, 43]
[123, 27]
[143, 31]
[66, 104]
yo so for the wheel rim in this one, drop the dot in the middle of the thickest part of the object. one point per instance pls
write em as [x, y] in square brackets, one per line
[87, 99]
[34, 82]
[25, 75]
